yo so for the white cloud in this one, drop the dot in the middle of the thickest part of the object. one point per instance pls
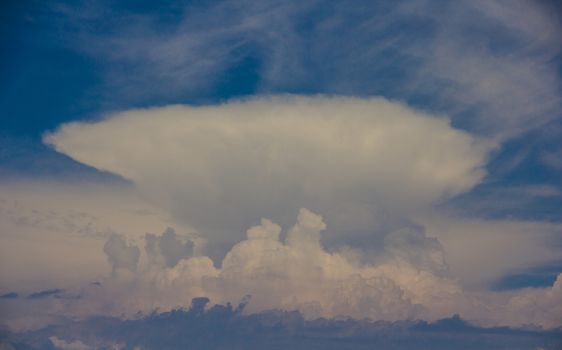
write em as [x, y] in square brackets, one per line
[295, 273]
[62, 344]
[411, 280]
[533, 305]
[221, 167]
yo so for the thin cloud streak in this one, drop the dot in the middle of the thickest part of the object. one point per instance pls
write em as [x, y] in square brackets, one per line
[498, 85]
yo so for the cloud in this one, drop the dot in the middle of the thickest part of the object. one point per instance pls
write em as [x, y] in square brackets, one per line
[10, 295]
[69, 345]
[120, 254]
[491, 66]
[168, 248]
[218, 168]
[414, 247]
[300, 274]
[479, 251]
[492, 82]
[409, 280]
[51, 233]
[224, 327]
[45, 294]
[295, 273]
[372, 167]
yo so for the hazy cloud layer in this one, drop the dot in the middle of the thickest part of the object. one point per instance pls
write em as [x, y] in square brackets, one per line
[51, 233]
[479, 251]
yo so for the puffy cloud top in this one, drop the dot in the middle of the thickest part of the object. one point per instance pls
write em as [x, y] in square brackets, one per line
[410, 280]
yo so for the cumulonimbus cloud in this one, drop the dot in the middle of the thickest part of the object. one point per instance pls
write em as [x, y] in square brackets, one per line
[221, 167]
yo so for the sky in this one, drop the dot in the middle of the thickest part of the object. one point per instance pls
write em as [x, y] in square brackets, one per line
[370, 161]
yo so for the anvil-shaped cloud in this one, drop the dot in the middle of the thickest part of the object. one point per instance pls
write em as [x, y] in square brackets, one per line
[218, 168]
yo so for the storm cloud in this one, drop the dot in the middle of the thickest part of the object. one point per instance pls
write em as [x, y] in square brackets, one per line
[359, 162]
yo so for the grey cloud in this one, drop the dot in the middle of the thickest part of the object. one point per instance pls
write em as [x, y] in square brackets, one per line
[536, 276]
[45, 294]
[413, 246]
[164, 250]
[10, 295]
[120, 254]
[169, 247]
[224, 327]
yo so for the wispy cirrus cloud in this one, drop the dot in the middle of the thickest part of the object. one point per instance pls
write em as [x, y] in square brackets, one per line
[440, 56]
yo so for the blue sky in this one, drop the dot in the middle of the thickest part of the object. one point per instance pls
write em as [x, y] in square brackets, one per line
[123, 120]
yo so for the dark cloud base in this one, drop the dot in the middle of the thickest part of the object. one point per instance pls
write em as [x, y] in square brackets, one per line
[225, 327]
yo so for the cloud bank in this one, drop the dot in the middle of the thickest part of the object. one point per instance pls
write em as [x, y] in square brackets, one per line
[225, 327]
[219, 168]
[410, 281]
